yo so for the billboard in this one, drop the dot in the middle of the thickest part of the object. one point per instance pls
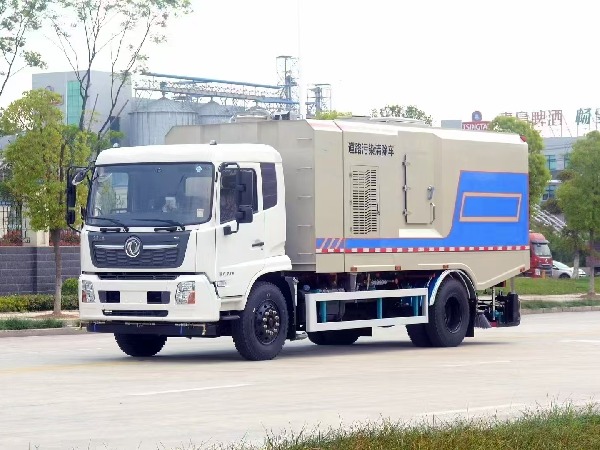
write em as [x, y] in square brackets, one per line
[477, 126]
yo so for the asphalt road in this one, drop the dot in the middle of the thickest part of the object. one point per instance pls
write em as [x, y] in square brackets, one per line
[81, 392]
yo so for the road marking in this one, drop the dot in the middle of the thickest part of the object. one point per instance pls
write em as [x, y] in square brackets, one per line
[177, 391]
[479, 363]
[583, 341]
[476, 409]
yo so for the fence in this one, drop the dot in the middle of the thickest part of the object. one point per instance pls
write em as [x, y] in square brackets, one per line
[13, 226]
[15, 229]
[26, 264]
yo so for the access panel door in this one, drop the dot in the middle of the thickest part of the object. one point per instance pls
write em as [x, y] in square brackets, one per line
[419, 188]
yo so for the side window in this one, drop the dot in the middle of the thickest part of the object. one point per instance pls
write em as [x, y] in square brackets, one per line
[269, 185]
[250, 196]
[227, 203]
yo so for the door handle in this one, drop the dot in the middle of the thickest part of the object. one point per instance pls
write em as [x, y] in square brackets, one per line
[258, 244]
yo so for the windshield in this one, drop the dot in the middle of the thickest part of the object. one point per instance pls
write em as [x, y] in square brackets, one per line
[542, 250]
[560, 265]
[151, 194]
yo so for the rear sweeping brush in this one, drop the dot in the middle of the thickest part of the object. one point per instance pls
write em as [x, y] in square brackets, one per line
[481, 321]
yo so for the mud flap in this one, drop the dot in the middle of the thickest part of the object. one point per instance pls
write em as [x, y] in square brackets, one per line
[472, 314]
[512, 311]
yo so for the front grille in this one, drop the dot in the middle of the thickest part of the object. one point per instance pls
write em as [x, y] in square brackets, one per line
[136, 312]
[105, 257]
[137, 276]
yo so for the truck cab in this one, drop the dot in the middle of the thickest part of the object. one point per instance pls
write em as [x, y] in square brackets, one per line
[541, 256]
[165, 232]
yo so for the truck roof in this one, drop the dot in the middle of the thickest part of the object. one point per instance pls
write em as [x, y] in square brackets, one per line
[189, 153]
[371, 126]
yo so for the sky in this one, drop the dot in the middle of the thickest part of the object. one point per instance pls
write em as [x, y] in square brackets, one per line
[449, 58]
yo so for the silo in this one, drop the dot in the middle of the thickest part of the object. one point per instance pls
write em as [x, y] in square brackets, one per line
[152, 120]
[213, 112]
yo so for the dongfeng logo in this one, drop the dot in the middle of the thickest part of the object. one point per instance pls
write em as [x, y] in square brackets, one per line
[133, 247]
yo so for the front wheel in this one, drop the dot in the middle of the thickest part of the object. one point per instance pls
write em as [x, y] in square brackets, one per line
[260, 332]
[140, 345]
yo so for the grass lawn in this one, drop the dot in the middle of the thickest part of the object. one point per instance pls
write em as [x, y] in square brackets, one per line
[553, 286]
[556, 429]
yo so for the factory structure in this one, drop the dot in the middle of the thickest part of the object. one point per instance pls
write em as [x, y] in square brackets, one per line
[151, 104]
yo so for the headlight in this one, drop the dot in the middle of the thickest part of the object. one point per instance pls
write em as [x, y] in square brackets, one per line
[87, 292]
[185, 294]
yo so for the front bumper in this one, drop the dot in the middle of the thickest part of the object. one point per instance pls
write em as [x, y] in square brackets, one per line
[148, 301]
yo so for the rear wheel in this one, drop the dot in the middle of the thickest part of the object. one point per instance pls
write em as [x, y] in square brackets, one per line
[334, 337]
[140, 345]
[564, 275]
[260, 332]
[449, 315]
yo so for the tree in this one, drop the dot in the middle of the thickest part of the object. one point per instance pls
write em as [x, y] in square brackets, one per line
[119, 29]
[17, 19]
[539, 175]
[410, 112]
[331, 115]
[579, 195]
[38, 159]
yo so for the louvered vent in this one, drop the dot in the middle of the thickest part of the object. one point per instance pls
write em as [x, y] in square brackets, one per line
[365, 217]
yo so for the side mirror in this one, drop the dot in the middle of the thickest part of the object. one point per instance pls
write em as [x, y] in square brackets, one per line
[79, 177]
[244, 214]
[71, 195]
[70, 217]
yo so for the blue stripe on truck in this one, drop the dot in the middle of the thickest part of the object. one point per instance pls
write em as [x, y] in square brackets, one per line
[491, 210]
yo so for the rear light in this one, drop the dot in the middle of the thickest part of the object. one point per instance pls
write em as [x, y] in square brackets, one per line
[523, 138]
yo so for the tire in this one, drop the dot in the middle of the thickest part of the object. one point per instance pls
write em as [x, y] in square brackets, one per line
[449, 315]
[418, 335]
[564, 275]
[334, 337]
[140, 345]
[260, 333]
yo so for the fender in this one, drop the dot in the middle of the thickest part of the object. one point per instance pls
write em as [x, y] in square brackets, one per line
[272, 265]
[435, 283]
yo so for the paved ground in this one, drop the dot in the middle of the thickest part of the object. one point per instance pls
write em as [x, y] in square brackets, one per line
[79, 391]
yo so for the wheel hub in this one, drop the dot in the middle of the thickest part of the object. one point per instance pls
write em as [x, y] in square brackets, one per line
[266, 322]
[452, 315]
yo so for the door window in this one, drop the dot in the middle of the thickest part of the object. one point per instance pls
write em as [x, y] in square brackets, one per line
[228, 193]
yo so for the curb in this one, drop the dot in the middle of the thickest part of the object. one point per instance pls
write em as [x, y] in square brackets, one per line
[558, 309]
[67, 330]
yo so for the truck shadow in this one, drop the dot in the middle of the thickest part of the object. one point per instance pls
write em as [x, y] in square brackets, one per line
[302, 351]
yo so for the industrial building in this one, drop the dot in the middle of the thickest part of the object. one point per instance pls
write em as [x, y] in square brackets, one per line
[152, 103]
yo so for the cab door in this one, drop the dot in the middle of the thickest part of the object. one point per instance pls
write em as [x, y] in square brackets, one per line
[240, 246]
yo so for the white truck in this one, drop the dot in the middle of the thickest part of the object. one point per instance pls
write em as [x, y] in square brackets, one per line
[269, 231]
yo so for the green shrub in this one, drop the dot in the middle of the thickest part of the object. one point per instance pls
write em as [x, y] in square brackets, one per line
[36, 302]
[15, 323]
[70, 286]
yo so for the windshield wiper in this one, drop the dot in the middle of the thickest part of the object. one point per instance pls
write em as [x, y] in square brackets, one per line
[116, 222]
[170, 222]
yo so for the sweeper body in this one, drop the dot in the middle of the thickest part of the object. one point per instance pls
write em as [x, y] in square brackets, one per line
[269, 231]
